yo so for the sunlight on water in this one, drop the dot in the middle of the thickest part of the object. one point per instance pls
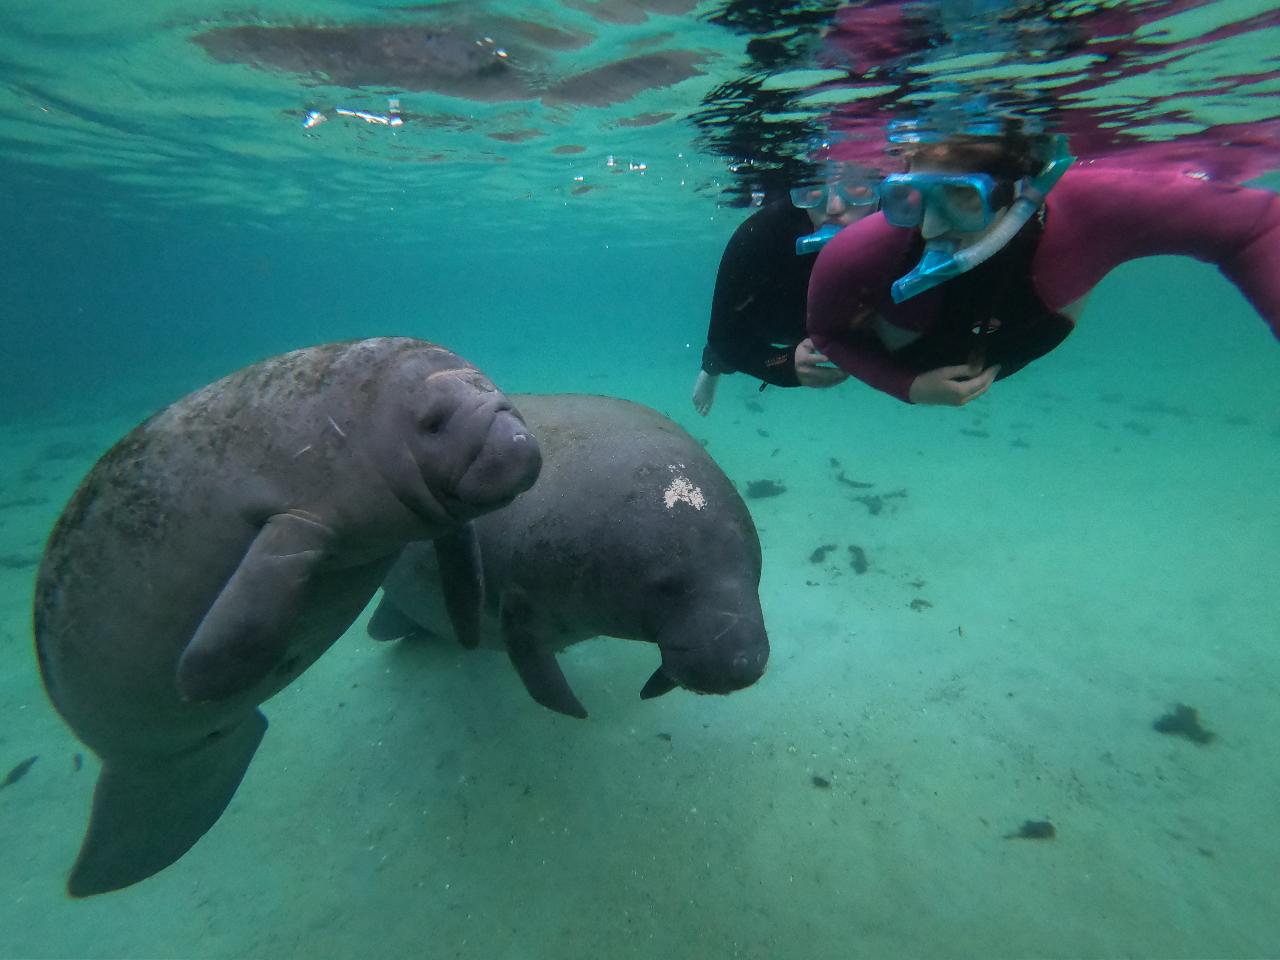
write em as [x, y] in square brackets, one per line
[341, 113]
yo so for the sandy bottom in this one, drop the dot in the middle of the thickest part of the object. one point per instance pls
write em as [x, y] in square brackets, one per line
[1047, 572]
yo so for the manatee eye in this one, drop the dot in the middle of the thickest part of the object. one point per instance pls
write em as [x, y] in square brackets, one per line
[432, 422]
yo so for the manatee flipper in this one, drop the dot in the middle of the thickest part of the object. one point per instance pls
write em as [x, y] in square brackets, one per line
[657, 685]
[462, 579]
[244, 633]
[149, 811]
[537, 668]
[389, 622]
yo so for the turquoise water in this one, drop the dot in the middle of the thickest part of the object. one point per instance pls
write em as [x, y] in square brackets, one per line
[1053, 568]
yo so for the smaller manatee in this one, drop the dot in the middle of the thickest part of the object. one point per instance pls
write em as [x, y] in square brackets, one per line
[631, 531]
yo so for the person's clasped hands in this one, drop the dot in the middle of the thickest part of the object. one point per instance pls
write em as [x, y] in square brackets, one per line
[952, 386]
[809, 369]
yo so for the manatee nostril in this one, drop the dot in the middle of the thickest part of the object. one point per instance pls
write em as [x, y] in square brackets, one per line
[747, 667]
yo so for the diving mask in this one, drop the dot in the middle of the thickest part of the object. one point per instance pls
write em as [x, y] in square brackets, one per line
[962, 199]
[942, 260]
[854, 191]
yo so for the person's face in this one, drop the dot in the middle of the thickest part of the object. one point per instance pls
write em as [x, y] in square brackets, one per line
[935, 225]
[832, 207]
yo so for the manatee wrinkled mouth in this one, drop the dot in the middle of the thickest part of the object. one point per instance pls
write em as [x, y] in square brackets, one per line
[444, 495]
[713, 671]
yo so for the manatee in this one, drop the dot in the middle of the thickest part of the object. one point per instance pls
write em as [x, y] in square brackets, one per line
[631, 531]
[224, 544]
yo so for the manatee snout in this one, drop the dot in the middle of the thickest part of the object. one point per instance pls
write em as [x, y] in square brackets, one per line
[723, 672]
[711, 656]
[506, 464]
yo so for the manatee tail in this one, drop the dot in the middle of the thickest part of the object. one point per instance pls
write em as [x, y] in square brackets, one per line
[148, 812]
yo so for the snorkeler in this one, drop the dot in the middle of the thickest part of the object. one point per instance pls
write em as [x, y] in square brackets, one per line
[988, 246]
[758, 308]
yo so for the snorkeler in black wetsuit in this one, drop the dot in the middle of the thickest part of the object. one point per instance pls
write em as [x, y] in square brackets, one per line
[758, 308]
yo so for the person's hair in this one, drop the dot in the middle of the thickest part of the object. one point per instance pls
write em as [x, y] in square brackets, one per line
[1007, 157]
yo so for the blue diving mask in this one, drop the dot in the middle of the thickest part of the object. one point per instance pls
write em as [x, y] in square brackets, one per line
[963, 199]
[855, 191]
[963, 206]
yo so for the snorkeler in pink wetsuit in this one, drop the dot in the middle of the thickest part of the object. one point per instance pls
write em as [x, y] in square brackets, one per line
[947, 340]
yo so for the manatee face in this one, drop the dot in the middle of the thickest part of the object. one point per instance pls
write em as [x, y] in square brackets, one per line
[709, 646]
[716, 652]
[456, 447]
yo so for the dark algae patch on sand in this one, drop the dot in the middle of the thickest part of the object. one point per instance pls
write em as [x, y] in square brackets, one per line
[858, 559]
[820, 553]
[758, 489]
[1033, 830]
[18, 772]
[1184, 721]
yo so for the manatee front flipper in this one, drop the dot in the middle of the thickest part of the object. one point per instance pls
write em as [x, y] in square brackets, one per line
[658, 684]
[462, 579]
[245, 632]
[538, 669]
[389, 622]
[149, 811]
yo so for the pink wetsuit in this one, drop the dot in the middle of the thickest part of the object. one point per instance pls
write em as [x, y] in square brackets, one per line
[1096, 219]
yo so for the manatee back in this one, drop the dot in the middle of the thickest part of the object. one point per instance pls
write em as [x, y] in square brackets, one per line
[626, 497]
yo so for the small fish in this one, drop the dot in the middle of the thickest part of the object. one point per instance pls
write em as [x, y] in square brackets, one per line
[18, 772]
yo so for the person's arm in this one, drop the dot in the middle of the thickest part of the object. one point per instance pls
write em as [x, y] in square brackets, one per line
[851, 277]
[1099, 219]
[755, 261]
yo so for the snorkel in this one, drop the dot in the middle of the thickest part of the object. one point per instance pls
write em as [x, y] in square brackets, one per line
[942, 260]
[813, 242]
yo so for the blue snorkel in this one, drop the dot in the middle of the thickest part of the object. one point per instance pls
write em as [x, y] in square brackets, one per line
[813, 242]
[942, 261]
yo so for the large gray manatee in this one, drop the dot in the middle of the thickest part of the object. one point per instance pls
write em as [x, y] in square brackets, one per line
[631, 531]
[223, 545]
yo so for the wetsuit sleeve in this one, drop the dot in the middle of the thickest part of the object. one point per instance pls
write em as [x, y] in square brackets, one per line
[742, 333]
[849, 280]
[1099, 219]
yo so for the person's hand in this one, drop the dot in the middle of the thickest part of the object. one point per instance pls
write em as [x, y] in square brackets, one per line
[952, 386]
[809, 373]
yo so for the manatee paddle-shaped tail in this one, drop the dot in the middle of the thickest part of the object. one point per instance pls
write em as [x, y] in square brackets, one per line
[149, 811]
[538, 669]
[462, 579]
[243, 635]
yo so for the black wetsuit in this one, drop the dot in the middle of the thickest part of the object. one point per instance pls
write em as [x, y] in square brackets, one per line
[758, 308]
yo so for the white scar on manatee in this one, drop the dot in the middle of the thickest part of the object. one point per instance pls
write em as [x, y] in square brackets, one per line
[682, 490]
[451, 372]
[337, 429]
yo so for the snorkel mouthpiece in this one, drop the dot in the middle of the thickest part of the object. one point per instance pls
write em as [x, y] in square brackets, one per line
[942, 261]
[813, 242]
[938, 265]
